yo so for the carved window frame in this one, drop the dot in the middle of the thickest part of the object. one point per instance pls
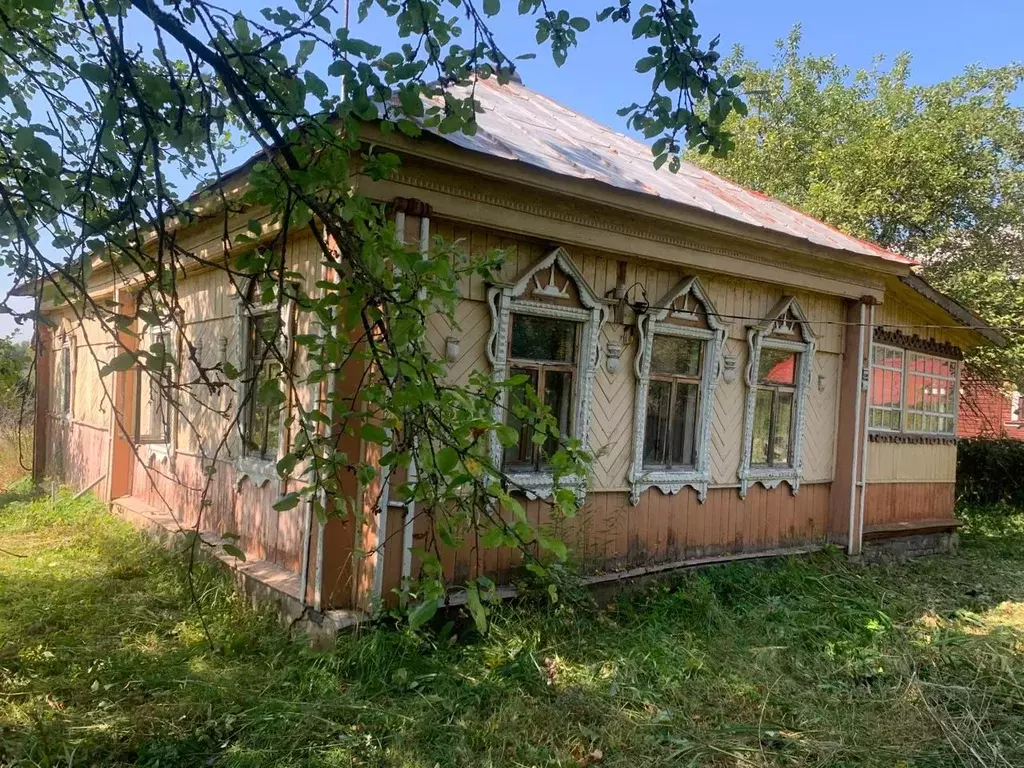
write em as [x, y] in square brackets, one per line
[160, 448]
[260, 470]
[504, 300]
[784, 316]
[67, 354]
[672, 481]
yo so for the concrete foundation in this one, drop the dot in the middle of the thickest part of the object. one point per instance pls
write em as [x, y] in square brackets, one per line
[899, 549]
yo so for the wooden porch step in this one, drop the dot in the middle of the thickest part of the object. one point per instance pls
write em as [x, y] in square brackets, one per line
[909, 528]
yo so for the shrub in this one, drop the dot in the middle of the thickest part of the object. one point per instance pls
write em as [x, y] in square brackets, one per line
[990, 473]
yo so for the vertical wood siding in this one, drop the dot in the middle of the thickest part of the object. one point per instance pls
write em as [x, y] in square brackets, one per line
[609, 534]
[893, 503]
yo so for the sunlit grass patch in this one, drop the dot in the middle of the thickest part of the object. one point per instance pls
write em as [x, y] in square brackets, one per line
[104, 661]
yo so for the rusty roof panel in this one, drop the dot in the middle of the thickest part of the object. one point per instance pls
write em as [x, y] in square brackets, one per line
[526, 126]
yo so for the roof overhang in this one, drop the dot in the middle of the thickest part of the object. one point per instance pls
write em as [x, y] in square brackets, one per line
[954, 309]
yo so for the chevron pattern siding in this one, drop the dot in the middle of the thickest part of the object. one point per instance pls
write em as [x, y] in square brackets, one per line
[611, 420]
[473, 327]
[727, 420]
[820, 425]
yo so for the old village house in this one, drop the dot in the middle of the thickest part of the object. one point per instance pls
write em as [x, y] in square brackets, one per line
[783, 385]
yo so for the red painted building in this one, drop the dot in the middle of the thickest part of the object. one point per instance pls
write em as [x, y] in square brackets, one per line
[987, 410]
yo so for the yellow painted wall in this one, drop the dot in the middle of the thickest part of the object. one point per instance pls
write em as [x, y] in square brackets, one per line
[901, 463]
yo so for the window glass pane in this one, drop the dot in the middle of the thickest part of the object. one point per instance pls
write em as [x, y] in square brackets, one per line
[558, 397]
[676, 355]
[684, 426]
[523, 452]
[889, 357]
[659, 403]
[762, 426]
[886, 387]
[783, 428]
[777, 366]
[543, 338]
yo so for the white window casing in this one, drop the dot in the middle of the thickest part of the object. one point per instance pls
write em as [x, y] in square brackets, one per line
[260, 470]
[786, 318]
[66, 376]
[683, 302]
[161, 448]
[904, 409]
[526, 296]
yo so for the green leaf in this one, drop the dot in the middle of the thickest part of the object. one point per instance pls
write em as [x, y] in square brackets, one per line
[476, 608]
[241, 27]
[374, 434]
[306, 47]
[286, 502]
[492, 7]
[422, 613]
[447, 459]
[234, 551]
[122, 362]
[94, 73]
[287, 464]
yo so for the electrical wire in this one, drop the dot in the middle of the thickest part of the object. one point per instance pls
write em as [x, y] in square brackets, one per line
[851, 323]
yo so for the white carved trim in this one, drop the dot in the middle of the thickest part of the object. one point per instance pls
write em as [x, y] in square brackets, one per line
[693, 295]
[505, 299]
[259, 471]
[785, 317]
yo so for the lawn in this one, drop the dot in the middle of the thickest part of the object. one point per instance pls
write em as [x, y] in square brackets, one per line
[103, 661]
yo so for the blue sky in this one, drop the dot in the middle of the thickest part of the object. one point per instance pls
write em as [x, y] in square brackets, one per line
[944, 37]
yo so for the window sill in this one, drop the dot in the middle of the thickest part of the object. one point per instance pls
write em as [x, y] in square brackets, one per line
[910, 438]
[669, 482]
[541, 485]
[259, 471]
[770, 477]
[160, 451]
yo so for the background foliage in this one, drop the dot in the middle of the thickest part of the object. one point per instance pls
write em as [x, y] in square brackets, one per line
[935, 172]
[989, 473]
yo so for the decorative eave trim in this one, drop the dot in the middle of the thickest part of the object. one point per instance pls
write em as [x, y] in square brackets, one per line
[915, 343]
[410, 206]
[606, 224]
[903, 438]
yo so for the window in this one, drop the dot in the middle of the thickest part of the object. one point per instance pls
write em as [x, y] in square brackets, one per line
[912, 392]
[153, 416]
[886, 388]
[1015, 409]
[780, 359]
[544, 351]
[931, 394]
[673, 397]
[774, 411]
[676, 367]
[545, 327]
[262, 417]
[63, 378]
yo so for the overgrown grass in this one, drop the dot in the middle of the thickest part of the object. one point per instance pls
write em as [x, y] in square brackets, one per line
[104, 662]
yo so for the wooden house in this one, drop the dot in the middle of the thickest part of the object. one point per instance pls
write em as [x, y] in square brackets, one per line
[752, 381]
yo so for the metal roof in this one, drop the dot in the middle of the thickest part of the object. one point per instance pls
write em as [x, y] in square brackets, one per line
[525, 126]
